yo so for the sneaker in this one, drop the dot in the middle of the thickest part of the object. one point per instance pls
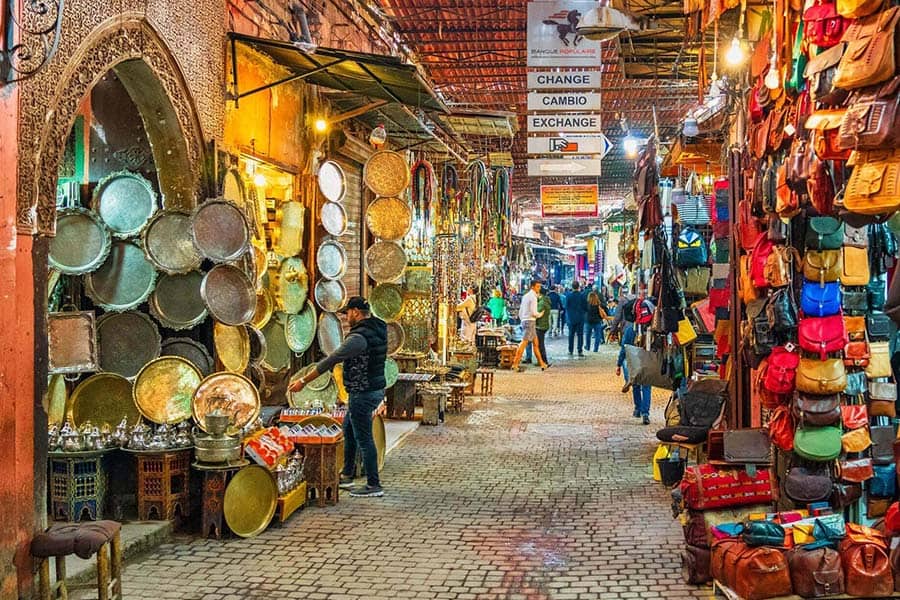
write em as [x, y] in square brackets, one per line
[625, 389]
[545, 367]
[646, 420]
[636, 414]
[368, 492]
[581, 355]
[346, 482]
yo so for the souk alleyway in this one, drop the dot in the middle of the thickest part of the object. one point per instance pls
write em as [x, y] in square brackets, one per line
[541, 492]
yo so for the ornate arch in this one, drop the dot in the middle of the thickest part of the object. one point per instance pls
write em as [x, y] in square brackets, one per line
[130, 45]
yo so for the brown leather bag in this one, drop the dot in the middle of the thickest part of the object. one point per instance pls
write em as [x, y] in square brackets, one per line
[870, 55]
[823, 265]
[821, 377]
[820, 72]
[825, 126]
[855, 327]
[855, 266]
[872, 120]
[762, 573]
[780, 265]
[816, 573]
[895, 564]
[874, 185]
[723, 559]
[866, 566]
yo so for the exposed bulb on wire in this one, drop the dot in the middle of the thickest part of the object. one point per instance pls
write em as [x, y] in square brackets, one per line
[735, 56]
[378, 136]
[773, 78]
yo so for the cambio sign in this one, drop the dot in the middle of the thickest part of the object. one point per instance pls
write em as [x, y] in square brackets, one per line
[553, 40]
[564, 101]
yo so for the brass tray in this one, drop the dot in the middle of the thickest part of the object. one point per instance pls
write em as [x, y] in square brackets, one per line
[164, 389]
[391, 372]
[258, 344]
[168, 244]
[319, 383]
[232, 343]
[220, 231]
[331, 259]
[389, 218]
[81, 244]
[288, 238]
[125, 201]
[265, 306]
[386, 173]
[250, 501]
[300, 329]
[332, 181]
[278, 353]
[385, 261]
[124, 280]
[127, 341]
[386, 301]
[190, 350]
[229, 295]
[55, 400]
[334, 218]
[176, 302]
[380, 436]
[291, 285]
[104, 399]
[327, 396]
[395, 338]
[72, 342]
[232, 394]
[330, 294]
[330, 332]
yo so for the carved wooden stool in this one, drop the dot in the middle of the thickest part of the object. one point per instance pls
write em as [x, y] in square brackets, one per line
[323, 471]
[163, 484]
[215, 480]
[77, 485]
[487, 381]
[84, 540]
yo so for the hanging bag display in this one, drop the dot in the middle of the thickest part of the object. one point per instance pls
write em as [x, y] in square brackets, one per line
[884, 482]
[695, 210]
[856, 354]
[855, 301]
[781, 429]
[781, 371]
[822, 25]
[819, 444]
[874, 185]
[856, 440]
[822, 266]
[883, 437]
[758, 258]
[805, 486]
[856, 237]
[854, 416]
[856, 384]
[817, 411]
[822, 335]
[878, 326]
[855, 327]
[854, 9]
[824, 233]
[780, 266]
[820, 300]
[883, 399]
[691, 249]
[879, 360]
[856, 470]
[821, 376]
[870, 55]
[872, 119]
[855, 266]
[782, 311]
[825, 126]
[820, 73]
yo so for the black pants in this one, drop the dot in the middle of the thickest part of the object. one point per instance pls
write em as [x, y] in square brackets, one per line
[542, 334]
[576, 330]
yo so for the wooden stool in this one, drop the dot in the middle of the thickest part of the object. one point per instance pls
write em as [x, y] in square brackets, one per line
[487, 381]
[163, 484]
[77, 485]
[457, 396]
[84, 540]
[507, 354]
[215, 479]
[323, 470]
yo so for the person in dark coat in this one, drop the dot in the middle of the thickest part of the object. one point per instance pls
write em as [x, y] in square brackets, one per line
[576, 309]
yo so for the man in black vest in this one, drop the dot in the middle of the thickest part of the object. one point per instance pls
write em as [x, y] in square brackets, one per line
[363, 354]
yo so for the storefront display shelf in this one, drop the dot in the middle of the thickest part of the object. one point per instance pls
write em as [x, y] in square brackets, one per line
[290, 502]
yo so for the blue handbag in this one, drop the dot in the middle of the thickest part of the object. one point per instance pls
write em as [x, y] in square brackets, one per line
[820, 299]
[884, 484]
[856, 383]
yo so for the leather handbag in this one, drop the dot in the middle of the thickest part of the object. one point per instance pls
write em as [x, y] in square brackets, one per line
[824, 233]
[825, 126]
[822, 335]
[854, 416]
[695, 563]
[762, 573]
[819, 444]
[781, 371]
[884, 483]
[855, 327]
[854, 9]
[763, 533]
[875, 292]
[820, 300]
[749, 293]
[867, 570]
[882, 408]
[817, 411]
[820, 72]
[856, 470]
[857, 440]
[856, 354]
[798, 162]
[820, 186]
[723, 559]
[874, 185]
[748, 447]
[856, 384]
[749, 226]
[855, 265]
[870, 55]
[804, 486]
[758, 258]
[871, 120]
[706, 487]
[781, 264]
[879, 360]
[646, 368]
[883, 437]
[844, 495]
[878, 326]
[821, 377]
[817, 572]
[877, 507]
[855, 301]
[781, 428]
[882, 391]
[822, 25]
[857, 237]
[694, 528]
[822, 266]
[781, 311]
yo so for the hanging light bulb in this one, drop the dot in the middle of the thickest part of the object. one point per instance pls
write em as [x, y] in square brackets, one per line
[735, 56]
[378, 136]
[630, 145]
[690, 127]
[773, 77]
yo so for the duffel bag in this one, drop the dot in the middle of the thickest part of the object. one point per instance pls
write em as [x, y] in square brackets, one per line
[695, 565]
[762, 573]
[707, 487]
[816, 573]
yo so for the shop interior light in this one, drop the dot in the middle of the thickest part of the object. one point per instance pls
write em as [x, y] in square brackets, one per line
[630, 145]
[690, 127]
[259, 180]
[773, 79]
[735, 56]
[320, 125]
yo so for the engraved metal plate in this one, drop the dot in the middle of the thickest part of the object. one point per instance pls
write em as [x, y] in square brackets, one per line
[334, 218]
[331, 259]
[290, 285]
[250, 501]
[230, 393]
[104, 399]
[190, 350]
[220, 231]
[395, 338]
[385, 261]
[124, 280]
[330, 294]
[81, 244]
[391, 371]
[176, 302]
[127, 341]
[265, 306]
[386, 301]
[229, 295]
[330, 333]
[164, 389]
[125, 201]
[300, 329]
[232, 343]
[332, 182]
[72, 342]
[168, 243]
[386, 173]
[389, 218]
[278, 353]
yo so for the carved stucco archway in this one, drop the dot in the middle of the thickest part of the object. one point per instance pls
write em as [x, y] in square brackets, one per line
[129, 45]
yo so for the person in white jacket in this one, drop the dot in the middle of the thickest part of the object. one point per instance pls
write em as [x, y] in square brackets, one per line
[465, 310]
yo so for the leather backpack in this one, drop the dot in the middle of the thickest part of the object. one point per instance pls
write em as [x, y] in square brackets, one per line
[691, 249]
[761, 335]
[749, 226]
[749, 293]
[695, 563]
[820, 186]
[820, 72]
[823, 265]
[781, 264]
[816, 573]
[867, 567]
[824, 233]
[782, 311]
[758, 258]
[870, 55]
[822, 335]
[781, 371]
[762, 573]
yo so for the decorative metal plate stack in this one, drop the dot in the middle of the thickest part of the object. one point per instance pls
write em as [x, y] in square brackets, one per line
[334, 218]
[330, 333]
[290, 284]
[125, 201]
[330, 294]
[386, 301]
[300, 329]
[278, 353]
[386, 173]
[395, 337]
[385, 261]
[389, 218]
[332, 182]
[331, 259]
[232, 344]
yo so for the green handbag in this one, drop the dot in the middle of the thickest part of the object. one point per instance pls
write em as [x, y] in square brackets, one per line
[763, 533]
[824, 233]
[796, 81]
[819, 444]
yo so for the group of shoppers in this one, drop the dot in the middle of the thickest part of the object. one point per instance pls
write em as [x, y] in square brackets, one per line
[586, 317]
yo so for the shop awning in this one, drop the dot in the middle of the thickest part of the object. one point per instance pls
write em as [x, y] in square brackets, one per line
[370, 75]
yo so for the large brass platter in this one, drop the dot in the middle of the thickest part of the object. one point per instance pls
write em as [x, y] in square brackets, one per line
[332, 181]
[386, 173]
[164, 389]
[104, 399]
[334, 218]
[331, 259]
[391, 371]
[230, 393]
[278, 353]
[81, 244]
[389, 218]
[125, 201]
[176, 302]
[380, 436]
[55, 400]
[330, 294]
[386, 301]
[124, 280]
[288, 238]
[300, 329]
[72, 342]
[265, 306]
[127, 341]
[258, 344]
[395, 338]
[250, 501]
[385, 261]
[330, 333]
[220, 231]
[232, 344]
[291, 285]
[190, 350]
[229, 295]
[168, 244]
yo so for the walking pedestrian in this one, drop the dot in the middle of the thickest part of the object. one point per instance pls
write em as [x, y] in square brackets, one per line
[594, 322]
[556, 305]
[576, 307]
[363, 354]
[541, 325]
[465, 310]
[640, 393]
[528, 314]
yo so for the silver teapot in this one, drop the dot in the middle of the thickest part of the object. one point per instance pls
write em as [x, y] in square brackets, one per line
[72, 441]
[120, 437]
[138, 440]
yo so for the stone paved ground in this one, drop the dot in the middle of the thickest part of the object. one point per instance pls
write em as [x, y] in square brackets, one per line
[542, 492]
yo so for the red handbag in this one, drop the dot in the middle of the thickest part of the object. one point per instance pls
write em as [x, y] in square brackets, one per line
[749, 227]
[822, 335]
[820, 187]
[854, 416]
[706, 487]
[856, 354]
[781, 428]
[758, 258]
[822, 25]
[781, 371]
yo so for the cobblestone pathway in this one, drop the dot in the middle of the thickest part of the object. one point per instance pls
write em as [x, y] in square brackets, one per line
[542, 492]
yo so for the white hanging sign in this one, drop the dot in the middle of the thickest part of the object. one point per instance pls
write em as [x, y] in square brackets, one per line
[556, 101]
[563, 80]
[589, 123]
